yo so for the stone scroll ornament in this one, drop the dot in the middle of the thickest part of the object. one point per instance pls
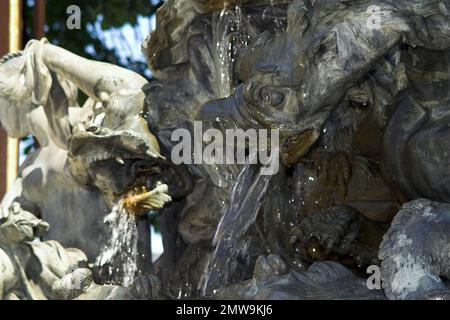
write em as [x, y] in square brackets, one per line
[362, 110]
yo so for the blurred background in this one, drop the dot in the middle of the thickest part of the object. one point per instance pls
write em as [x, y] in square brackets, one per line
[110, 31]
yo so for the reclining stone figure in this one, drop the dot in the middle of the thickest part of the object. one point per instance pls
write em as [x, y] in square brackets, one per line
[28, 267]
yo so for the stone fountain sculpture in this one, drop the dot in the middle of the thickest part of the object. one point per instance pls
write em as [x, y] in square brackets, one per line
[362, 110]
[55, 179]
[29, 268]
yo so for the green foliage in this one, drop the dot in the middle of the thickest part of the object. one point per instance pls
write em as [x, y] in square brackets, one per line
[109, 14]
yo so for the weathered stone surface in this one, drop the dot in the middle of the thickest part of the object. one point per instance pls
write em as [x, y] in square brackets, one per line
[362, 113]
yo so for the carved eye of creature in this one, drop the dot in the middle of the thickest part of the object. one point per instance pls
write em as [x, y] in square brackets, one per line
[262, 92]
[271, 97]
[359, 105]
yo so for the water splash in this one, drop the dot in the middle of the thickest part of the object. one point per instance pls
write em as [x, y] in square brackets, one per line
[230, 37]
[231, 240]
[277, 22]
[118, 258]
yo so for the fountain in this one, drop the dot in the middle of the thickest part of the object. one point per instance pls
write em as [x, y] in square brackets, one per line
[361, 117]
[231, 240]
[119, 255]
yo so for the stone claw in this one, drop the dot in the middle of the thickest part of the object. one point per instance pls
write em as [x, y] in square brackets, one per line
[330, 231]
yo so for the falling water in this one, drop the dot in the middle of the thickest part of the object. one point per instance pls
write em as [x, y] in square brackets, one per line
[230, 36]
[277, 22]
[223, 49]
[118, 258]
[231, 241]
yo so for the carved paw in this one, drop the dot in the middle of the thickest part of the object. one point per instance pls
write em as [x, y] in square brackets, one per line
[330, 231]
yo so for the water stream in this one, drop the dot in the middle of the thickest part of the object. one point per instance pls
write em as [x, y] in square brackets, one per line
[231, 241]
[230, 37]
[118, 258]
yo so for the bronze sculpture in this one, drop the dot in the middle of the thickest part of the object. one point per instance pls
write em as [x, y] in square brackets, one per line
[362, 112]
